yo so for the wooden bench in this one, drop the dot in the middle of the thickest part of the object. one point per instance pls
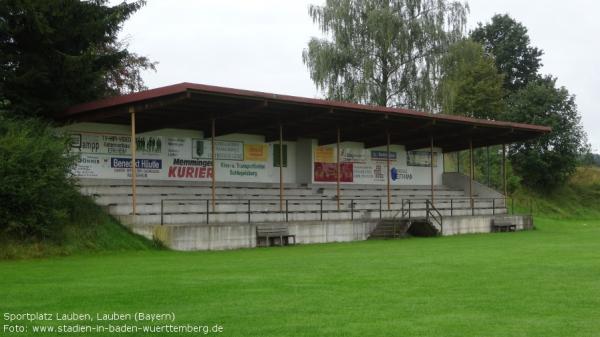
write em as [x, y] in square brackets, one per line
[270, 233]
[503, 224]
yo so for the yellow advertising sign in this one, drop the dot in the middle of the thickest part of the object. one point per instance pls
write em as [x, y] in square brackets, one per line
[325, 154]
[256, 152]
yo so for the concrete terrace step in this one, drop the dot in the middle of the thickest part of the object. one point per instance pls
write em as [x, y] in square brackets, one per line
[199, 217]
[331, 190]
[305, 202]
[390, 228]
[256, 206]
[173, 206]
[108, 199]
[309, 205]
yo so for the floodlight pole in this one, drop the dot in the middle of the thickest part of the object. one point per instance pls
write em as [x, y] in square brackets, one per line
[280, 167]
[458, 161]
[213, 158]
[389, 197]
[133, 147]
[337, 167]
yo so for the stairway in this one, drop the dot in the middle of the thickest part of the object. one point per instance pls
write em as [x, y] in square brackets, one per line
[400, 228]
[390, 229]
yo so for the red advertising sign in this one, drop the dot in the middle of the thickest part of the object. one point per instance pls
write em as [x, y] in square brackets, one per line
[325, 172]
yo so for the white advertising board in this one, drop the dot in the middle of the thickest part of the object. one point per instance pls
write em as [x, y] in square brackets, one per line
[108, 156]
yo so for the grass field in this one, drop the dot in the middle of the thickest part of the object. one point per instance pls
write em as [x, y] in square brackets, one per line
[538, 283]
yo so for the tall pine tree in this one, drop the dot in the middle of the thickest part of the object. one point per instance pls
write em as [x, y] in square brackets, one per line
[55, 53]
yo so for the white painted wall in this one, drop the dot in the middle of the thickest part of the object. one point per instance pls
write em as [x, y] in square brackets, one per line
[165, 162]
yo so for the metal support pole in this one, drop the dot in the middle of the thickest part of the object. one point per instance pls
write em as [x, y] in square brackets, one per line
[337, 168]
[207, 210]
[443, 162]
[351, 209]
[487, 154]
[213, 157]
[286, 210]
[380, 215]
[321, 212]
[431, 167]
[162, 211]
[249, 210]
[133, 165]
[389, 197]
[504, 170]
[281, 169]
[471, 174]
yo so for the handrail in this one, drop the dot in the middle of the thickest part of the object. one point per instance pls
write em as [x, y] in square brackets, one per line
[407, 206]
[430, 214]
[250, 202]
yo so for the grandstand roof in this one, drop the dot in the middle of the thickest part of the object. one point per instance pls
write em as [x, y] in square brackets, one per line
[192, 106]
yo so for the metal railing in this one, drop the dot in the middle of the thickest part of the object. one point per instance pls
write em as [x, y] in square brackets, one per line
[409, 206]
[434, 214]
[350, 205]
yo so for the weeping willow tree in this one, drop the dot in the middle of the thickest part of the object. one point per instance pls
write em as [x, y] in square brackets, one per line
[383, 52]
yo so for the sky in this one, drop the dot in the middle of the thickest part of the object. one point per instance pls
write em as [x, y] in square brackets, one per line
[257, 45]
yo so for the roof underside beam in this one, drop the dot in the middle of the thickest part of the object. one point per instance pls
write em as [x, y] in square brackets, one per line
[194, 110]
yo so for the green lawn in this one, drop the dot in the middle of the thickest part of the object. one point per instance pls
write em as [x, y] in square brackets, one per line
[538, 283]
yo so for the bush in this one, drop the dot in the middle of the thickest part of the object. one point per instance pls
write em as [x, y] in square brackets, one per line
[36, 186]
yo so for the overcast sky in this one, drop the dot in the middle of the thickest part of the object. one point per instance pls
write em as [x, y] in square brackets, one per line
[257, 44]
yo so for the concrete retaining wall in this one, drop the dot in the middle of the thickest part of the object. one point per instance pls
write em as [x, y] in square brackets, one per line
[233, 236]
[240, 235]
[481, 223]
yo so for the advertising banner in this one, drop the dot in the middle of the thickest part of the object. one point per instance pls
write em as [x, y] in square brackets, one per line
[354, 155]
[382, 155]
[226, 150]
[326, 172]
[420, 158]
[256, 152]
[369, 173]
[325, 154]
[108, 156]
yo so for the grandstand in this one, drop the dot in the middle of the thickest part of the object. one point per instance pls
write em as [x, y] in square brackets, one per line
[211, 165]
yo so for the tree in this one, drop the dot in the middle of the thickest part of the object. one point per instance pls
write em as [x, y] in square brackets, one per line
[547, 161]
[380, 52]
[36, 186]
[470, 85]
[507, 40]
[56, 53]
